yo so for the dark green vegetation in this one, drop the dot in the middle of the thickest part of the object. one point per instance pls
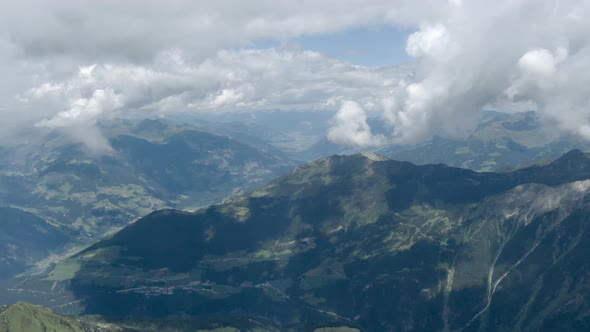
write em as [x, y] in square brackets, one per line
[153, 164]
[357, 241]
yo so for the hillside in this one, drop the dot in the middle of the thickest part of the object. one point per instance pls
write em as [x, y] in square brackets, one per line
[359, 241]
[153, 164]
[24, 317]
[25, 239]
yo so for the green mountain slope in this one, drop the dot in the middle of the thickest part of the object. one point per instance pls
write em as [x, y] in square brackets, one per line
[23, 317]
[154, 164]
[357, 241]
[25, 239]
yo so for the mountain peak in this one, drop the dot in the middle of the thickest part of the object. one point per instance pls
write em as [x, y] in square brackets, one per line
[574, 155]
[574, 160]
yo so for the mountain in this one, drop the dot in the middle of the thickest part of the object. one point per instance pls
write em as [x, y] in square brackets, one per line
[26, 239]
[153, 164]
[361, 242]
[501, 142]
[24, 317]
[293, 132]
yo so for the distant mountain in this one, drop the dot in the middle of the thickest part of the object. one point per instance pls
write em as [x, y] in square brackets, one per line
[502, 142]
[154, 164]
[292, 132]
[26, 239]
[359, 241]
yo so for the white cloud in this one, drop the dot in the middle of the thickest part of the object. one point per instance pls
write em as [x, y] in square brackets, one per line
[145, 57]
[141, 29]
[430, 40]
[250, 79]
[457, 3]
[226, 97]
[85, 110]
[86, 71]
[540, 62]
[476, 53]
[350, 127]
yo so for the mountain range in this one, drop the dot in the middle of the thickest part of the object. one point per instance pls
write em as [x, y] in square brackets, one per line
[151, 164]
[501, 141]
[357, 241]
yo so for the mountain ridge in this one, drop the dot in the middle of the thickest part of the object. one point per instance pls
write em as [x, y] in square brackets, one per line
[353, 241]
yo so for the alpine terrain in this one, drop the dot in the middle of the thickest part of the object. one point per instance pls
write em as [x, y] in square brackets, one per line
[359, 241]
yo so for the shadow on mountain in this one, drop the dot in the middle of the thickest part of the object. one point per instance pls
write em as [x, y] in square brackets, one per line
[365, 242]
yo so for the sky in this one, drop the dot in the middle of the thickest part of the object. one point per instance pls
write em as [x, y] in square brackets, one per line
[426, 67]
[374, 46]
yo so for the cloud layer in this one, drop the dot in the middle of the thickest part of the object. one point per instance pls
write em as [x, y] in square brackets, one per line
[266, 79]
[72, 65]
[477, 54]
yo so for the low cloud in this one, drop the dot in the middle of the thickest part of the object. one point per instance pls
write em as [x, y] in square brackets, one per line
[473, 55]
[248, 79]
[350, 127]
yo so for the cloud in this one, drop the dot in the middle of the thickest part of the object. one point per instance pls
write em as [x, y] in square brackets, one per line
[475, 54]
[226, 97]
[138, 30]
[247, 79]
[51, 62]
[72, 65]
[539, 62]
[84, 110]
[430, 40]
[350, 127]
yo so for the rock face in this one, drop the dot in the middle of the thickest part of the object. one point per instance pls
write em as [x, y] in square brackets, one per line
[358, 241]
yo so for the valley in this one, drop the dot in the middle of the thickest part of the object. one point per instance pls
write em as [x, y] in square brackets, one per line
[350, 241]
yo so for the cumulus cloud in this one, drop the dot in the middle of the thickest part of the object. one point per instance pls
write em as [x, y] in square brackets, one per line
[248, 79]
[430, 40]
[350, 127]
[477, 54]
[226, 97]
[75, 64]
[541, 61]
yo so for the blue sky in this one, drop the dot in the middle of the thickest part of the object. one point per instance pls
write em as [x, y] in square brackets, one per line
[368, 46]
